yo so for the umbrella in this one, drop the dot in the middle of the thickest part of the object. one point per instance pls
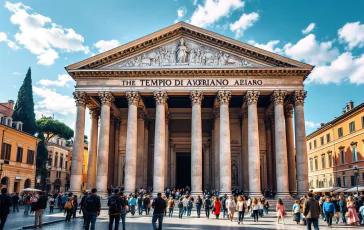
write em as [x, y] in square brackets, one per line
[353, 189]
[330, 189]
[32, 190]
[340, 190]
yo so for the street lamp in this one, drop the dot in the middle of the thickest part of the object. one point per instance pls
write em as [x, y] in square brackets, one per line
[356, 173]
[1, 170]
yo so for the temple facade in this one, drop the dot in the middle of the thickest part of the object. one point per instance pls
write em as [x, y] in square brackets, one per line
[186, 106]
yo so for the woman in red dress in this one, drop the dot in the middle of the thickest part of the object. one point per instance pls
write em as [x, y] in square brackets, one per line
[217, 206]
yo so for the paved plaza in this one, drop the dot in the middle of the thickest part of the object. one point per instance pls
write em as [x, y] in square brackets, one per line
[18, 221]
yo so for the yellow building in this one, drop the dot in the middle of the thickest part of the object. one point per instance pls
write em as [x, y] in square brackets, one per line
[335, 148]
[18, 152]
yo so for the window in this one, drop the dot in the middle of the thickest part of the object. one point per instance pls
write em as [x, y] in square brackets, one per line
[311, 164]
[316, 163]
[310, 145]
[330, 182]
[66, 164]
[362, 121]
[355, 154]
[50, 161]
[19, 155]
[314, 144]
[328, 137]
[58, 175]
[342, 156]
[340, 132]
[61, 162]
[352, 126]
[329, 157]
[322, 140]
[323, 161]
[362, 176]
[56, 160]
[6, 151]
[30, 157]
[344, 181]
[338, 182]
[352, 179]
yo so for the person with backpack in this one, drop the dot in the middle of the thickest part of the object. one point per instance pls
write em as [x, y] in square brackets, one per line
[189, 206]
[140, 204]
[63, 201]
[27, 204]
[266, 206]
[40, 205]
[93, 207]
[180, 208]
[15, 198]
[82, 208]
[68, 207]
[159, 205]
[146, 202]
[5, 204]
[116, 204]
[207, 206]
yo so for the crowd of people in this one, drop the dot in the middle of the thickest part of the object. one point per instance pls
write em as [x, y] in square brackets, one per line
[305, 211]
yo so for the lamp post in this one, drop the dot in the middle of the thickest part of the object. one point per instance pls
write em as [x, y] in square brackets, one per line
[356, 173]
[1, 171]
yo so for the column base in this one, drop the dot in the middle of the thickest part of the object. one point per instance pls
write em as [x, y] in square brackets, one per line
[283, 195]
[195, 194]
[255, 194]
[222, 193]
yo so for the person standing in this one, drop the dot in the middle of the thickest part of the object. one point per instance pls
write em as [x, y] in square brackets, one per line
[224, 208]
[198, 203]
[41, 204]
[115, 204]
[140, 204]
[15, 199]
[231, 207]
[329, 209]
[69, 207]
[158, 205]
[261, 207]
[343, 208]
[5, 204]
[207, 206]
[266, 206]
[93, 207]
[249, 203]
[311, 210]
[51, 204]
[241, 206]
[180, 207]
[353, 218]
[63, 201]
[280, 211]
[296, 211]
[185, 205]
[27, 204]
[337, 208]
[170, 206]
[75, 206]
[146, 202]
[254, 208]
[189, 206]
[217, 206]
[132, 203]
[82, 208]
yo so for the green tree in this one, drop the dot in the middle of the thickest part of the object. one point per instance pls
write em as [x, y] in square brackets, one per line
[53, 128]
[41, 161]
[24, 107]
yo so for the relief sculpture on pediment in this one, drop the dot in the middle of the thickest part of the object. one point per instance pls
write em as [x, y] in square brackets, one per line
[184, 53]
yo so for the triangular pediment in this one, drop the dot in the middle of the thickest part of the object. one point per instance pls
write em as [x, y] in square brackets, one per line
[185, 46]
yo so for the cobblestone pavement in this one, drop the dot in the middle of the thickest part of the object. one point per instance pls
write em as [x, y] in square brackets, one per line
[17, 220]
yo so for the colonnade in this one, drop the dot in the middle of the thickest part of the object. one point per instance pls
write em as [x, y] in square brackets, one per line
[290, 164]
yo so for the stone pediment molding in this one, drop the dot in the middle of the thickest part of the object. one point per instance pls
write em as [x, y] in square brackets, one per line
[234, 48]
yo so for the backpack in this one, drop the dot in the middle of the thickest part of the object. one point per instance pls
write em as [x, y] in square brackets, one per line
[180, 205]
[90, 204]
[68, 205]
[114, 206]
[190, 205]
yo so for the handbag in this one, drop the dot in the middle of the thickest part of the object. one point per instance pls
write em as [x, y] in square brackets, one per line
[292, 213]
[347, 214]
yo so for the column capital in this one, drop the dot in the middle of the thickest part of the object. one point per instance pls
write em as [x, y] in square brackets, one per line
[299, 97]
[251, 97]
[223, 97]
[278, 97]
[196, 97]
[81, 98]
[160, 97]
[106, 98]
[94, 113]
[288, 111]
[133, 97]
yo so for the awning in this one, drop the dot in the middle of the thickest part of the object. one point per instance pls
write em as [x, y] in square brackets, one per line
[353, 189]
[32, 190]
[330, 189]
[340, 190]
[18, 178]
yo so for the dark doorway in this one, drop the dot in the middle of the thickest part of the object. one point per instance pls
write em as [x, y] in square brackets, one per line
[183, 170]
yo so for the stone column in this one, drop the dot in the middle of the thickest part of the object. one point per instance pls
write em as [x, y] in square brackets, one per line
[273, 148]
[290, 149]
[196, 143]
[166, 168]
[216, 154]
[111, 160]
[145, 154]
[245, 151]
[269, 153]
[300, 137]
[131, 142]
[251, 98]
[116, 154]
[207, 165]
[173, 166]
[78, 145]
[140, 148]
[159, 142]
[225, 150]
[92, 149]
[280, 144]
[103, 149]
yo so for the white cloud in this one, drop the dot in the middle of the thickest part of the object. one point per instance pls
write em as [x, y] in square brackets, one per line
[213, 10]
[11, 44]
[42, 37]
[52, 102]
[16, 73]
[63, 80]
[245, 21]
[353, 34]
[103, 45]
[194, 2]
[180, 13]
[308, 49]
[309, 28]
[270, 46]
[312, 124]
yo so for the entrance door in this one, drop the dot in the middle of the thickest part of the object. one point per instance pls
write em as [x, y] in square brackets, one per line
[183, 169]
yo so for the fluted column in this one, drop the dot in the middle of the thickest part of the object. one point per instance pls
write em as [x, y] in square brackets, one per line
[251, 98]
[78, 144]
[140, 148]
[159, 142]
[280, 144]
[216, 154]
[300, 137]
[196, 142]
[103, 149]
[290, 149]
[92, 149]
[245, 146]
[131, 142]
[225, 151]
[207, 166]
[269, 153]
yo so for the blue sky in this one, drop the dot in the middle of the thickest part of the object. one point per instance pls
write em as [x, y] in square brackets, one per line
[48, 35]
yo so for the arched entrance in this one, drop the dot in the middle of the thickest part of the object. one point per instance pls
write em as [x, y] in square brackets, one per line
[27, 183]
[57, 185]
[5, 182]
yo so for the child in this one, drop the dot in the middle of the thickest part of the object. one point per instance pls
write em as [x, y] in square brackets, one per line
[296, 211]
[328, 208]
[280, 211]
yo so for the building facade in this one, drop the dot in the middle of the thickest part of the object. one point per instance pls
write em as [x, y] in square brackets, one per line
[335, 148]
[185, 106]
[18, 152]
